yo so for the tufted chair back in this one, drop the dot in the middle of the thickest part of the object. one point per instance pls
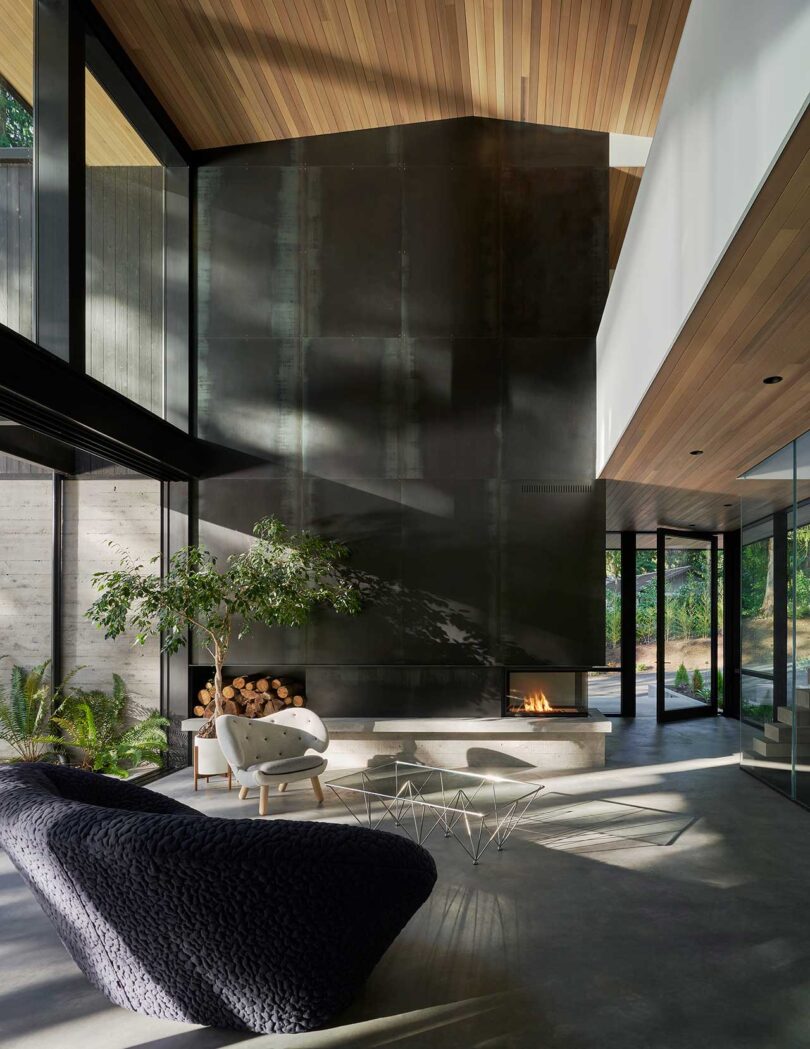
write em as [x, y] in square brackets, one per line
[287, 734]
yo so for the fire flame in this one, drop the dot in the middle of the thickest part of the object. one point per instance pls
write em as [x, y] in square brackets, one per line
[537, 704]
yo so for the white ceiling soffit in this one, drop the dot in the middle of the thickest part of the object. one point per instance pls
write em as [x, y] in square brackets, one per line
[628, 151]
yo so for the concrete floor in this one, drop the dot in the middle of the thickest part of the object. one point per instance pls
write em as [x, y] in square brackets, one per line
[659, 903]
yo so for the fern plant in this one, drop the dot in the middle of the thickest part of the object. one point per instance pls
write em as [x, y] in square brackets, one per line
[91, 721]
[26, 709]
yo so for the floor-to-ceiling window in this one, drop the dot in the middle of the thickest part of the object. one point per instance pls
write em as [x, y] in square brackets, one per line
[604, 687]
[125, 244]
[775, 620]
[16, 165]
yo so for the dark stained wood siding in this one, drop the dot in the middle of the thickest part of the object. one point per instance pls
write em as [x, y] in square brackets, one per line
[124, 273]
[16, 272]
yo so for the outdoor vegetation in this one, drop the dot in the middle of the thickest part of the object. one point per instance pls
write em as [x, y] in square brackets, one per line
[16, 124]
[757, 602]
[687, 617]
[76, 726]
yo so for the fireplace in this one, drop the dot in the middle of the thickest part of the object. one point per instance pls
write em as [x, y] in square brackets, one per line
[546, 693]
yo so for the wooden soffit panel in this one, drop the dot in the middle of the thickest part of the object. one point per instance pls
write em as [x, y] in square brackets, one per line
[110, 139]
[751, 322]
[238, 71]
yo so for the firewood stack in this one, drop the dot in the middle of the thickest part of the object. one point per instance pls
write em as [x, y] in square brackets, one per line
[251, 697]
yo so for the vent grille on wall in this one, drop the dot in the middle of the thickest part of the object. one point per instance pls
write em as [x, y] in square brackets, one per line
[556, 488]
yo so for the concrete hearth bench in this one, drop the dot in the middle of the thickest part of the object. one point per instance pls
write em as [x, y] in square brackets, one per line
[545, 743]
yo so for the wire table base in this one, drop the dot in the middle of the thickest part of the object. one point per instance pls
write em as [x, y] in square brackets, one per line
[475, 810]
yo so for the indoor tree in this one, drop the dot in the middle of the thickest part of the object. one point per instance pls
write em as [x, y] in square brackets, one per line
[279, 580]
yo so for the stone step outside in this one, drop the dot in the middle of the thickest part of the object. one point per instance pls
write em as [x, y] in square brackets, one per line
[767, 748]
[785, 716]
[782, 733]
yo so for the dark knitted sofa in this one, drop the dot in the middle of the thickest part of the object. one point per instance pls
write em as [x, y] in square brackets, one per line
[265, 926]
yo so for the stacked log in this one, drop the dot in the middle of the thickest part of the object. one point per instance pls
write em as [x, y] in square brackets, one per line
[251, 697]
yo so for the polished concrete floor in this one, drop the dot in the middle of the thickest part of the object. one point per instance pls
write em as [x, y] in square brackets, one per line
[660, 903]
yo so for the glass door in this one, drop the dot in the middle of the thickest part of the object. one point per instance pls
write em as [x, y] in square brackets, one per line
[687, 621]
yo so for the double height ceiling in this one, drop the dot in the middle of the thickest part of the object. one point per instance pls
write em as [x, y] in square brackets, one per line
[238, 71]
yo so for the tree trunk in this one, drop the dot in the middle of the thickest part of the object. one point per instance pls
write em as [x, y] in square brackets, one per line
[209, 729]
[767, 599]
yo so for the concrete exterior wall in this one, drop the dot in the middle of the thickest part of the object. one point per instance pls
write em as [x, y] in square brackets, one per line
[738, 87]
[25, 572]
[126, 511]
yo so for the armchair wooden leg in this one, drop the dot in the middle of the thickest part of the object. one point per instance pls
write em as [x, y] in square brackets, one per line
[243, 793]
[230, 779]
[282, 787]
[316, 786]
[263, 800]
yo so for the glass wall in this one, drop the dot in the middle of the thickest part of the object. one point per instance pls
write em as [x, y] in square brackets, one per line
[125, 301]
[604, 689]
[646, 632]
[775, 620]
[16, 167]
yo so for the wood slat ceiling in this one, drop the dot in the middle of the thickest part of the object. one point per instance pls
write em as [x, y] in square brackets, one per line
[624, 183]
[110, 140]
[752, 321]
[237, 71]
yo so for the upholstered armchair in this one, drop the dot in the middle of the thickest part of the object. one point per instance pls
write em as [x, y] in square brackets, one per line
[274, 751]
[155, 902]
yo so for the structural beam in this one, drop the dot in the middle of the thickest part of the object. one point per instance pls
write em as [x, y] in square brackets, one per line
[59, 177]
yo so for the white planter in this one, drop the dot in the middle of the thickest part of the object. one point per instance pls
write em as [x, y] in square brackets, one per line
[208, 758]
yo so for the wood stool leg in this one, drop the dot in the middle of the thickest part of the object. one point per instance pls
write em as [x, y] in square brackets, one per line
[243, 793]
[316, 786]
[263, 800]
[282, 787]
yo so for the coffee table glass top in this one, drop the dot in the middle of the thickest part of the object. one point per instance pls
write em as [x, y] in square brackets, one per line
[473, 808]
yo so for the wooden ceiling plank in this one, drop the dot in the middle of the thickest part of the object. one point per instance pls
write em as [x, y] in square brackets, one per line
[545, 59]
[639, 40]
[564, 82]
[239, 48]
[656, 28]
[580, 67]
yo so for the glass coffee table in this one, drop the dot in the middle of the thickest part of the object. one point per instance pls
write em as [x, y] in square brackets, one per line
[475, 810]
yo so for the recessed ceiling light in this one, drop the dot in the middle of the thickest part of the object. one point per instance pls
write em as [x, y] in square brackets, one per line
[697, 451]
[771, 380]
[728, 504]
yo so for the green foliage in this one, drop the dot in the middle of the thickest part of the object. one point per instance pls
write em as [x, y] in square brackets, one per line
[16, 121]
[91, 721]
[720, 689]
[613, 617]
[26, 709]
[279, 581]
[681, 677]
[697, 683]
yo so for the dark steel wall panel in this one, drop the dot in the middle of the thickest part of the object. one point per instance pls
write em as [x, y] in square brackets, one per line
[353, 251]
[451, 249]
[553, 278]
[248, 242]
[452, 408]
[448, 283]
[351, 417]
[549, 409]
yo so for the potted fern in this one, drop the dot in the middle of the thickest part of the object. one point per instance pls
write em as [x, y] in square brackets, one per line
[91, 722]
[26, 709]
[280, 580]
